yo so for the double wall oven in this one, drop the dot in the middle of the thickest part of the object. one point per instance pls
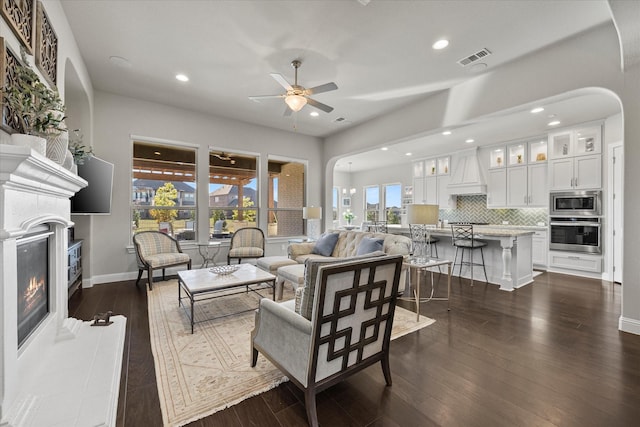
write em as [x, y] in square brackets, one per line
[575, 221]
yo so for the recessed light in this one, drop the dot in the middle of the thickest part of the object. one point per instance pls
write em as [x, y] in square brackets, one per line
[537, 110]
[384, 148]
[182, 77]
[314, 114]
[469, 141]
[440, 44]
[554, 123]
[446, 132]
[157, 153]
[408, 154]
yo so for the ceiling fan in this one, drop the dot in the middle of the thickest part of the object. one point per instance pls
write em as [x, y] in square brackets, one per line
[298, 96]
[225, 157]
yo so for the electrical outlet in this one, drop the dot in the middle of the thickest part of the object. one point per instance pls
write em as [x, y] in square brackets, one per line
[283, 247]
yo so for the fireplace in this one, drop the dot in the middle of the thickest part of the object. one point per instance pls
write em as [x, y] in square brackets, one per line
[33, 281]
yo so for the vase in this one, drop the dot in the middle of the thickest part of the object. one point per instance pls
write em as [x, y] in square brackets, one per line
[68, 160]
[57, 147]
[36, 143]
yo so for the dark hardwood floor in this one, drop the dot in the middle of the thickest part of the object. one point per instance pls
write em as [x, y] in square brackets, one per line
[548, 354]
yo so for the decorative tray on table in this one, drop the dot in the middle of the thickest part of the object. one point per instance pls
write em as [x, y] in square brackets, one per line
[224, 269]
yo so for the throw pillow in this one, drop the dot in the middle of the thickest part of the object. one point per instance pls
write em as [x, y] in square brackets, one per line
[368, 245]
[325, 244]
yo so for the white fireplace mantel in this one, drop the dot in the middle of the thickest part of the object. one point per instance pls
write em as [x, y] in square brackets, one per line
[66, 372]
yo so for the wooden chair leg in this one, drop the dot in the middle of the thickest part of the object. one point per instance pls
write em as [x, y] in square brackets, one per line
[163, 279]
[254, 356]
[150, 278]
[310, 404]
[139, 276]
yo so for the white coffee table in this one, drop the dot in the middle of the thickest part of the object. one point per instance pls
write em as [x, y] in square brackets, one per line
[202, 284]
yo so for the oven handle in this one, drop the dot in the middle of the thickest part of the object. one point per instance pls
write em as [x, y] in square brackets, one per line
[577, 224]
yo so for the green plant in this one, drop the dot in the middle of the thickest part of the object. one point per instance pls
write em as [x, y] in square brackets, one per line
[78, 149]
[37, 108]
[348, 215]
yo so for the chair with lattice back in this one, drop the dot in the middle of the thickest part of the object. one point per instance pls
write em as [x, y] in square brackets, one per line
[463, 237]
[341, 325]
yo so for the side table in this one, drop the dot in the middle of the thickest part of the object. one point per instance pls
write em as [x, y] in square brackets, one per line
[422, 266]
[208, 252]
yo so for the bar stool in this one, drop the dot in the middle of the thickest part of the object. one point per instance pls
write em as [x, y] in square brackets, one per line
[462, 237]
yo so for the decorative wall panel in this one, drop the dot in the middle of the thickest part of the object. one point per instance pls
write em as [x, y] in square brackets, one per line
[8, 63]
[46, 47]
[18, 14]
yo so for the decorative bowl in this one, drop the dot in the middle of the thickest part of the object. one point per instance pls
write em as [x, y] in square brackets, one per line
[224, 269]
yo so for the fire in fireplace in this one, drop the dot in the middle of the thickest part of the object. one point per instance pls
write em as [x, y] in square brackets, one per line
[33, 281]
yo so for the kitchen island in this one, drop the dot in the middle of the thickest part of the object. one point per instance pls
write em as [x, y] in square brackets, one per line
[507, 256]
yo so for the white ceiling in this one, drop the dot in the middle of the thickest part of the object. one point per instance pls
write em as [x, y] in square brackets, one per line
[379, 54]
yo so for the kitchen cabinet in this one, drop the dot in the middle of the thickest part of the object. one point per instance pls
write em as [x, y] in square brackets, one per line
[497, 188]
[430, 180]
[575, 159]
[576, 173]
[540, 248]
[520, 179]
[527, 186]
[576, 261]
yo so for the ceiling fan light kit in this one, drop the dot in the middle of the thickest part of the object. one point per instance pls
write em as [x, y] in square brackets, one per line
[297, 96]
[295, 102]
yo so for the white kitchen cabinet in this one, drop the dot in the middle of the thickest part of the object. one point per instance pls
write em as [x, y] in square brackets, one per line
[576, 261]
[497, 188]
[430, 180]
[576, 173]
[527, 186]
[583, 141]
[540, 248]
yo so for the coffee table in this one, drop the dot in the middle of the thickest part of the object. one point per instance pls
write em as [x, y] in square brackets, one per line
[201, 285]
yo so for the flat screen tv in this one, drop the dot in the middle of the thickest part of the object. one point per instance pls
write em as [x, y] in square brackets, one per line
[95, 198]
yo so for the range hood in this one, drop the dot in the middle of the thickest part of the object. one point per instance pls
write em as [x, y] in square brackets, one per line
[467, 177]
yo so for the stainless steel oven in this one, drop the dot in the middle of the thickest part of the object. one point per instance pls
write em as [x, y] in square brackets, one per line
[576, 203]
[575, 234]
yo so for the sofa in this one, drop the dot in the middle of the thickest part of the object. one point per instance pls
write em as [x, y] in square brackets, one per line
[349, 245]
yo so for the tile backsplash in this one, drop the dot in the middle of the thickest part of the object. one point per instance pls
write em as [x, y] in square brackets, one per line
[474, 209]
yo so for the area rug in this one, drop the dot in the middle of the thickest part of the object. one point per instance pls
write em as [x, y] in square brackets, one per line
[208, 371]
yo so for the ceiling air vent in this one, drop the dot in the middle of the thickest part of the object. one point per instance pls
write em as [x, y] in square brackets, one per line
[339, 119]
[475, 57]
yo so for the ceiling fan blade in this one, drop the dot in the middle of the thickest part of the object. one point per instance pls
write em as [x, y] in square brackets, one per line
[259, 97]
[278, 77]
[287, 111]
[319, 105]
[322, 88]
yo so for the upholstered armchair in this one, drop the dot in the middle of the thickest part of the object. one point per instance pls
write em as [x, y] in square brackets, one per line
[155, 250]
[246, 242]
[342, 324]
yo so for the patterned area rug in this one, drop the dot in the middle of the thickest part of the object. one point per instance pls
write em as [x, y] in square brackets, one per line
[210, 370]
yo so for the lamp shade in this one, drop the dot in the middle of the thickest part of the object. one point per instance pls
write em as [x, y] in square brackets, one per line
[312, 212]
[422, 214]
[295, 102]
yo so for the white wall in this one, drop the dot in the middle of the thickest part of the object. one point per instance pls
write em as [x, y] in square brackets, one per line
[117, 118]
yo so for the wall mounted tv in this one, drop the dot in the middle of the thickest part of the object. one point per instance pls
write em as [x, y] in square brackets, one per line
[95, 198]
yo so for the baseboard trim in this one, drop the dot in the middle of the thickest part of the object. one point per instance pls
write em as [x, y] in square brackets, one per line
[631, 326]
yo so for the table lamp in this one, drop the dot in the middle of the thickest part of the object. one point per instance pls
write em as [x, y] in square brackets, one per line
[312, 215]
[421, 219]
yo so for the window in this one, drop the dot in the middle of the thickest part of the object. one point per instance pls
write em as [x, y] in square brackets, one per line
[286, 198]
[372, 202]
[163, 190]
[392, 203]
[233, 192]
